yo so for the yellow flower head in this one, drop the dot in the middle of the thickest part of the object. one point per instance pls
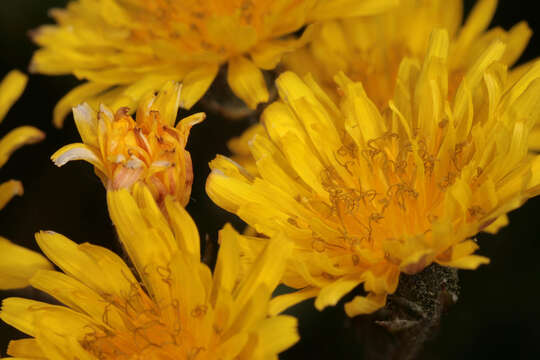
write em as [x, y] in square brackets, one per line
[365, 195]
[179, 311]
[125, 48]
[150, 149]
[370, 49]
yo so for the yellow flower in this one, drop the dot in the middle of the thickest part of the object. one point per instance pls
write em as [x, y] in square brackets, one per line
[17, 264]
[126, 48]
[370, 49]
[150, 149]
[365, 195]
[178, 311]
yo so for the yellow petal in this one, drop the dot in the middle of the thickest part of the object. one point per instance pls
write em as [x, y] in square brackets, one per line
[188, 287]
[477, 21]
[247, 81]
[75, 262]
[470, 262]
[495, 226]
[75, 97]
[461, 256]
[34, 317]
[17, 138]
[25, 348]
[76, 295]
[78, 151]
[230, 168]
[11, 88]
[15, 313]
[227, 265]
[240, 144]
[8, 190]
[87, 124]
[146, 248]
[18, 265]
[281, 303]
[518, 38]
[332, 9]
[276, 334]
[168, 102]
[230, 348]
[196, 83]
[267, 269]
[267, 55]
[226, 191]
[184, 228]
[332, 293]
[365, 305]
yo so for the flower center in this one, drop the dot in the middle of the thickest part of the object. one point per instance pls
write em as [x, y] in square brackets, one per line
[399, 191]
[149, 151]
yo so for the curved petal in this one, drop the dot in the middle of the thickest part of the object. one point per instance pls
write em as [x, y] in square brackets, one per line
[247, 81]
[11, 88]
[477, 21]
[196, 83]
[102, 275]
[75, 97]
[17, 138]
[365, 305]
[77, 151]
[86, 122]
[462, 258]
[283, 302]
[18, 265]
[8, 190]
[332, 293]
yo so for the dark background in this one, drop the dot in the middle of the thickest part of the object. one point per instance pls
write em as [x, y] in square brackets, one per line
[497, 316]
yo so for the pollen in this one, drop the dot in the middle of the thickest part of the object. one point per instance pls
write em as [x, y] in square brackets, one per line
[379, 192]
[173, 307]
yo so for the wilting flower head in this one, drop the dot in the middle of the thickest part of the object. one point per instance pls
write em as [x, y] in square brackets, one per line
[149, 149]
[371, 49]
[125, 48]
[365, 195]
[179, 311]
[18, 263]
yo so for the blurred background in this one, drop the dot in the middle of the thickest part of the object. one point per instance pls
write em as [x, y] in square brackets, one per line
[498, 312]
